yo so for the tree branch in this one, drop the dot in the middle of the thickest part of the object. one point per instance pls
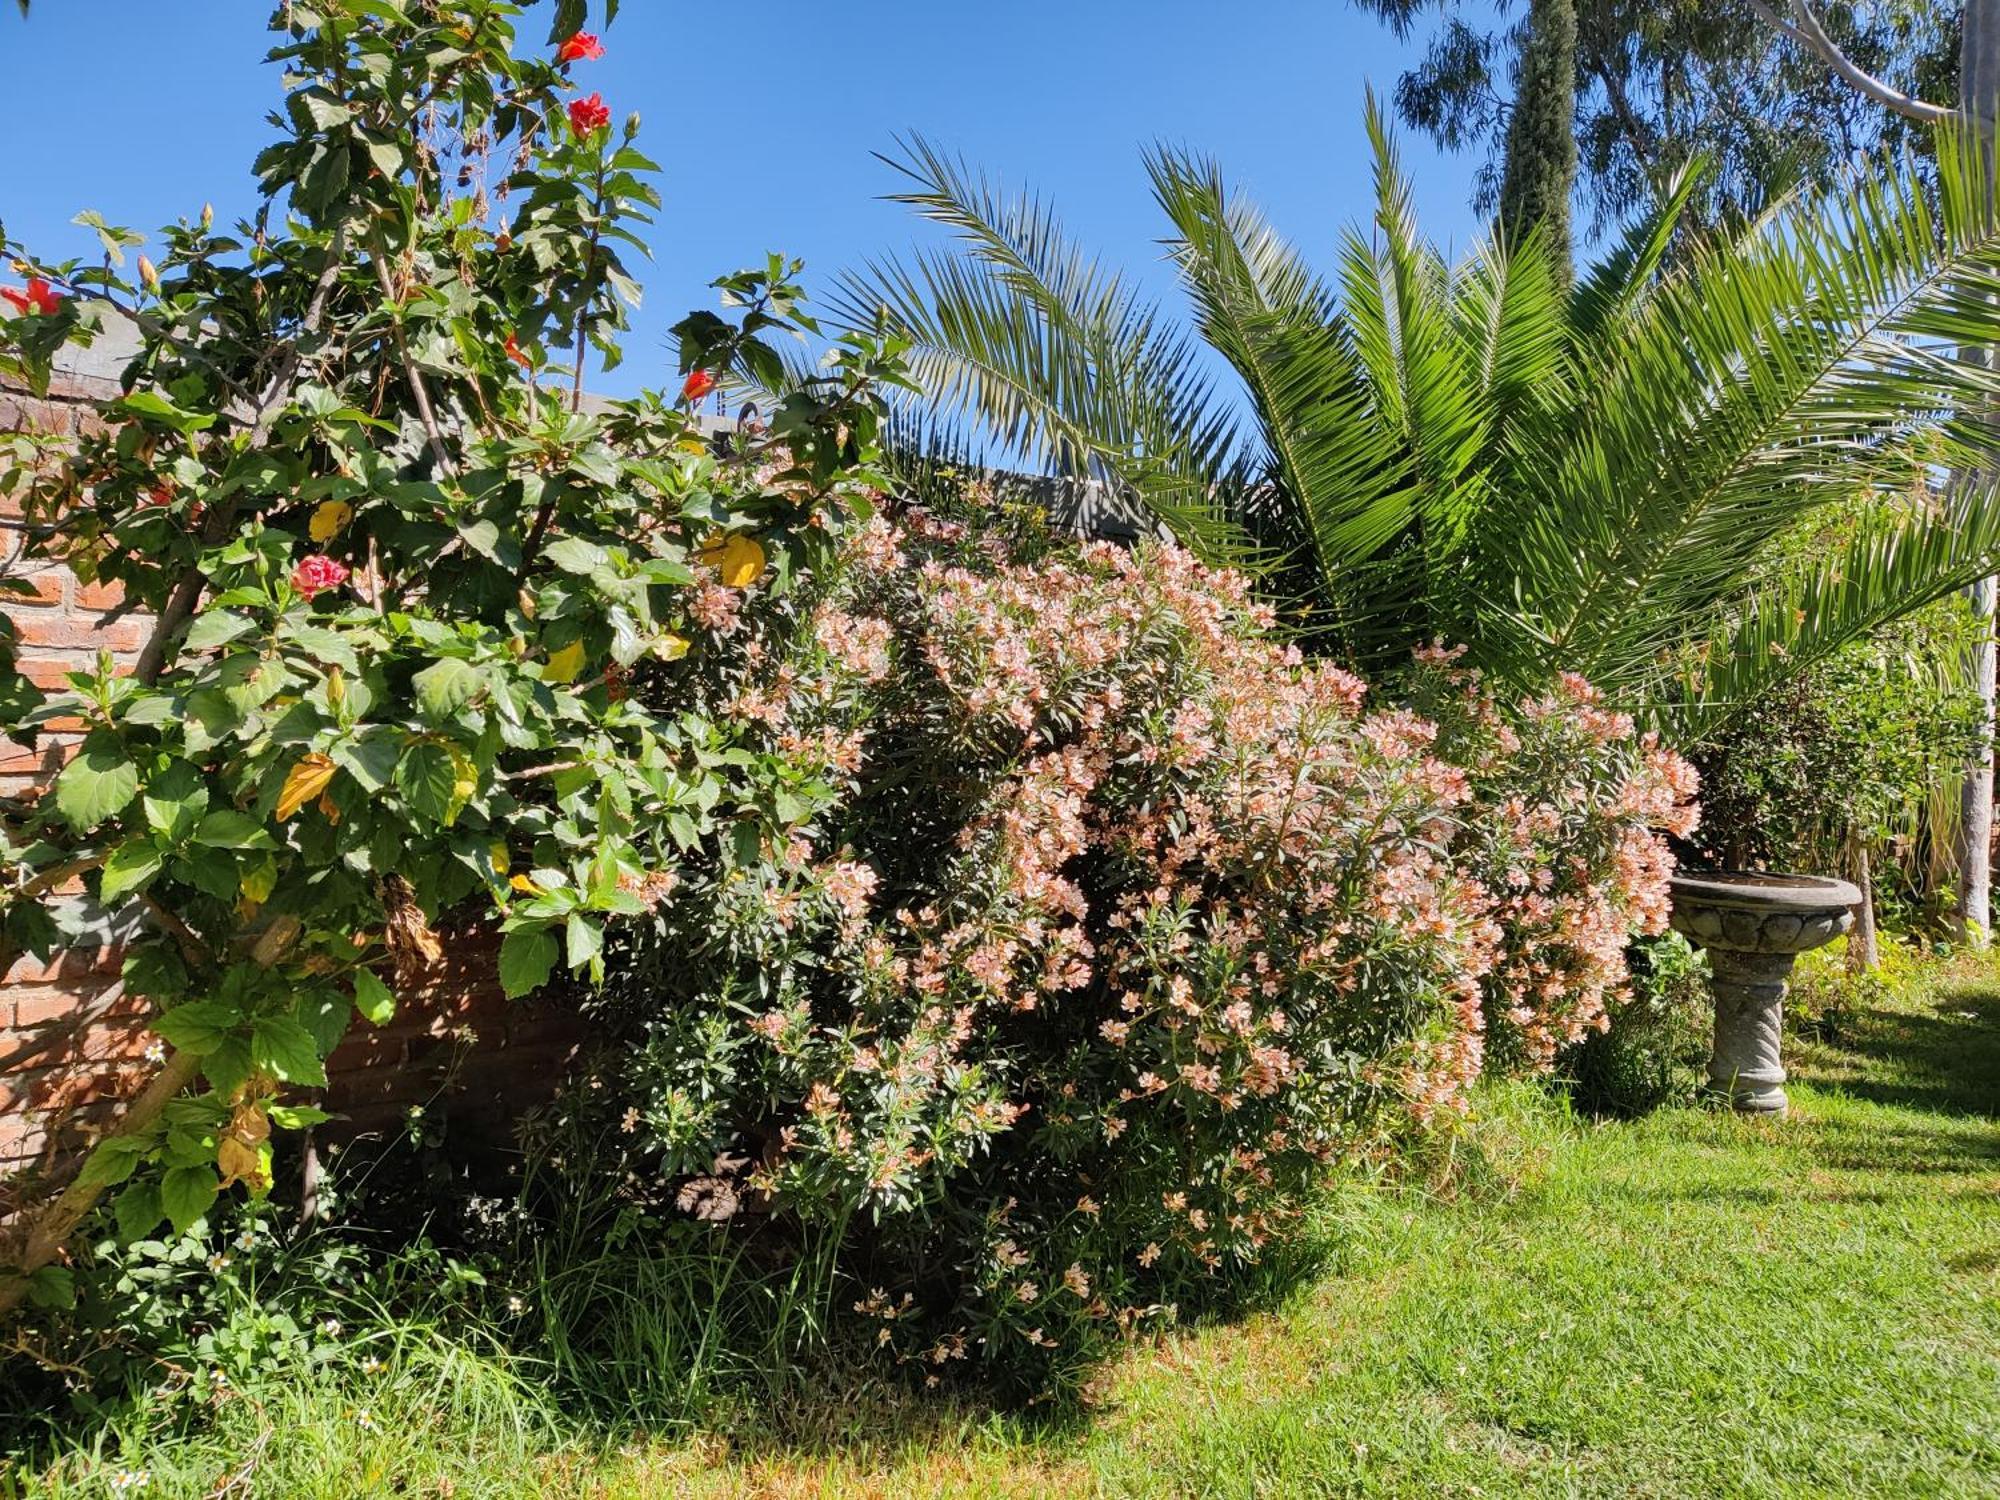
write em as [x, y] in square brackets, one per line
[186, 592]
[1805, 29]
[421, 392]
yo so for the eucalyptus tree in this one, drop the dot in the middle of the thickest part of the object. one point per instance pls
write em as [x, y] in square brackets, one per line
[1657, 86]
[1588, 478]
[1976, 113]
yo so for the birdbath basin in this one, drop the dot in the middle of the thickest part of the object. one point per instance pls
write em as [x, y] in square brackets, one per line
[1754, 926]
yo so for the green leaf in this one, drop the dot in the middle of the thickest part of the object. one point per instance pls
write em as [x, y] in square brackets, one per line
[372, 997]
[585, 940]
[112, 1162]
[52, 1287]
[370, 758]
[130, 867]
[446, 686]
[198, 1026]
[574, 555]
[284, 1047]
[217, 627]
[186, 1193]
[225, 828]
[173, 800]
[228, 1065]
[97, 784]
[137, 1211]
[426, 778]
[527, 957]
[153, 405]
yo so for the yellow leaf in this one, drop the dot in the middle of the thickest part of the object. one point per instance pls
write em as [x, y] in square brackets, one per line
[563, 665]
[526, 886]
[306, 780]
[736, 557]
[497, 856]
[670, 647]
[329, 519]
[464, 782]
[260, 880]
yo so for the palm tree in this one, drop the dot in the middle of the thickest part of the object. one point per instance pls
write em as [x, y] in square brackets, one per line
[1592, 478]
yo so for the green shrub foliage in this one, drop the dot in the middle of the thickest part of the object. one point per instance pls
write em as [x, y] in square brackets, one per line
[401, 574]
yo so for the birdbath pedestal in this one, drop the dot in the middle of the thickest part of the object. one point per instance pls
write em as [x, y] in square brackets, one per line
[1754, 925]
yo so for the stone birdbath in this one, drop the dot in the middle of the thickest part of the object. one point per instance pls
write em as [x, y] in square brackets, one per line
[1754, 925]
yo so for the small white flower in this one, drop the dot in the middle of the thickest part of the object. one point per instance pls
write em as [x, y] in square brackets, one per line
[217, 1264]
[371, 1366]
[415, 1112]
[330, 1328]
[156, 1053]
[364, 1419]
[247, 1240]
[219, 1380]
[125, 1481]
[517, 1305]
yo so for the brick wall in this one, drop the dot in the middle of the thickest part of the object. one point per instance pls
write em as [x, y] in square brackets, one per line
[72, 1041]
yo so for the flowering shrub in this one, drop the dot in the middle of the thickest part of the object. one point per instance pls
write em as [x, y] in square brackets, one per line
[399, 579]
[1574, 806]
[1126, 924]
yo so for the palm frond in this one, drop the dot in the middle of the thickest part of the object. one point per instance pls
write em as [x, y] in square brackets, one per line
[1902, 559]
[1767, 379]
[1618, 282]
[1057, 361]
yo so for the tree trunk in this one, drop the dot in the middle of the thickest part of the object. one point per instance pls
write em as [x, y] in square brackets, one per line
[1979, 99]
[1864, 949]
[1540, 170]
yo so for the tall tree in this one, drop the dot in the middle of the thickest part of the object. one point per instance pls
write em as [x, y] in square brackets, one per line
[1978, 109]
[1658, 84]
[1541, 139]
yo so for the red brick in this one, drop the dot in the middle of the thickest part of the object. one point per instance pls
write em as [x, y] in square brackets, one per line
[52, 675]
[48, 585]
[71, 964]
[37, 1005]
[23, 413]
[70, 1088]
[103, 596]
[123, 1040]
[45, 759]
[87, 634]
[19, 1138]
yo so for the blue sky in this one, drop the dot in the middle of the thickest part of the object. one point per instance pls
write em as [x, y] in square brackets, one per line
[764, 118]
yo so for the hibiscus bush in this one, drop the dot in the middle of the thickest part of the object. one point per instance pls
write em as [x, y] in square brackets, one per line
[399, 574]
[1125, 927]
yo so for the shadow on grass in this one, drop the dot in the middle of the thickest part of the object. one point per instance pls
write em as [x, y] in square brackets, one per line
[1944, 1058]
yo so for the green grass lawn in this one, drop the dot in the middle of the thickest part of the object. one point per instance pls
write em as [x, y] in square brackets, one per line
[1691, 1304]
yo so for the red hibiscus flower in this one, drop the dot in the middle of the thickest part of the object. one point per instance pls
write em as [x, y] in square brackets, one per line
[582, 47]
[40, 297]
[587, 116]
[317, 573]
[513, 350]
[697, 385]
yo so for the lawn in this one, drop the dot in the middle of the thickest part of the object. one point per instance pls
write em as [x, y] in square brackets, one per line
[1686, 1304]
